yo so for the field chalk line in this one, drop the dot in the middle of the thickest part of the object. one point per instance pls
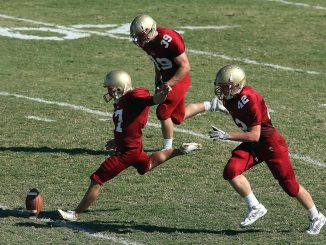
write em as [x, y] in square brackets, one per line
[251, 62]
[299, 4]
[99, 113]
[74, 227]
[44, 119]
[303, 158]
[123, 30]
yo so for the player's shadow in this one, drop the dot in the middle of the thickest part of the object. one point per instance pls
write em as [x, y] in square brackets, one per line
[12, 213]
[54, 214]
[23, 213]
[121, 228]
[45, 149]
[45, 214]
[129, 227]
[72, 151]
[51, 218]
[124, 228]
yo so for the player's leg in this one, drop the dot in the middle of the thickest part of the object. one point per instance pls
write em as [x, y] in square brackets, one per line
[160, 157]
[172, 111]
[110, 168]
[255, 209]
[305, 198]
[242, 159]
[90, 196]
[164, 112]
[241, 185]
[214, 105]
[193, 109]
[167, 127]
[282, 170]
[317, 219]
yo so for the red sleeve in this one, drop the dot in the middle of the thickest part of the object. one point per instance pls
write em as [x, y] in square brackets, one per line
[177, 45]
[141, 97]
[253, 112]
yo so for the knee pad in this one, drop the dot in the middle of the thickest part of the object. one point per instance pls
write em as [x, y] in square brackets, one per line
[290, 186]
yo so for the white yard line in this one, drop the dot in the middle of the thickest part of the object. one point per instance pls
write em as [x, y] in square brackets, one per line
[208, 27]
[76, 28]
[63, 104]
[75, 227]
[305, 159]
[248, 61]
[123, 30]
[44, 119]
[64, 27]
[299, 4]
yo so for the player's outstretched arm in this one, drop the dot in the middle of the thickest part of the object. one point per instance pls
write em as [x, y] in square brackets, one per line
[184, 68]
[162, 94]
[251, 135]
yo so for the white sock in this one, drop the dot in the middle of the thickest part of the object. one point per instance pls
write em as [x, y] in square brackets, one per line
[167, 143]
[313, 212]
[251, 200]
[207, 105]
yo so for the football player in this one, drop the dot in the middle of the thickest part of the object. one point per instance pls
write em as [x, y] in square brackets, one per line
[131, 107]
[166, 48]
[260, 142]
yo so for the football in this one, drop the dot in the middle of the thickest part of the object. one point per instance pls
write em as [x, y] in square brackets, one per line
[34, 202]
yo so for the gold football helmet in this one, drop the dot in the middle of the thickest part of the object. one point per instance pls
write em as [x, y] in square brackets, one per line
[117, 82]
[229, 81]
[142, 30]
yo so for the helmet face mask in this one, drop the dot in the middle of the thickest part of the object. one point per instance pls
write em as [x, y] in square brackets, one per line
[223, 90]
[118, 83]
[112, 93]
[229, 81]
[141, 39]
[142, 30]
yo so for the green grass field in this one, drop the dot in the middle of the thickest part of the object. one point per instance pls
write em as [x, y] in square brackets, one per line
[54, 55]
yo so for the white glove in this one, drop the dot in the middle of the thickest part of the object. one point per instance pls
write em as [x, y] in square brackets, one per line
[218, 134]
[217, 105]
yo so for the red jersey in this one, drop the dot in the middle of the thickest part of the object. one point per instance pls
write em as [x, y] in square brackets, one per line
[248, 109]
[166, 46]
[129, 117]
